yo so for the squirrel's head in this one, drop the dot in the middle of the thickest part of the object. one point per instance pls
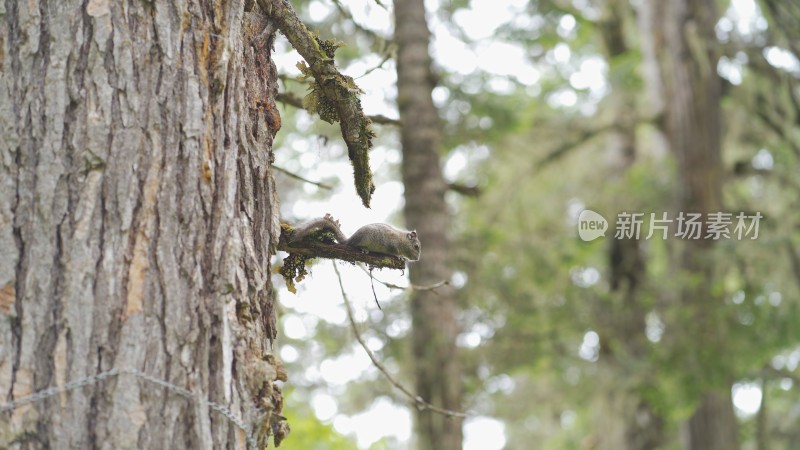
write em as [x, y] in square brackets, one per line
[415, 246]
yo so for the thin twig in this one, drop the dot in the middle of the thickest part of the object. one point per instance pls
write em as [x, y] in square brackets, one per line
[383, 120]
[294, 79]
[465, 190]
[374, 295]
[538, 165]
[414, 287]
[431, 287]
[368, 32]
[298, 177]
[297, 102]
[386, 57]
[420, 403]
[289, 99]
[771, 372]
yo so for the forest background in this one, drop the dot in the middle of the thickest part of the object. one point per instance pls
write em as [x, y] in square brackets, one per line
[548, 109]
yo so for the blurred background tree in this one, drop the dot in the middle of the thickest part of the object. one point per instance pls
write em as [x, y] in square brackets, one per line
[550, 108]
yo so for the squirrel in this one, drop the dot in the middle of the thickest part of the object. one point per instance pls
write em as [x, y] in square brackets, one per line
[376, 237]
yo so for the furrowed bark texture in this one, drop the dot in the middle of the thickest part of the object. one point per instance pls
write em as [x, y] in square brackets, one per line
[685, 46]
[137, 215]
[434, 314]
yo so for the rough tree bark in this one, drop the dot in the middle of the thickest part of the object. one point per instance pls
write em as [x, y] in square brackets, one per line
[434, 314]
[684, 40]
[137, 218]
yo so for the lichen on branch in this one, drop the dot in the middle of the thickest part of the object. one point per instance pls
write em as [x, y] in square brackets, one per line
[333, 96]
[323, 245]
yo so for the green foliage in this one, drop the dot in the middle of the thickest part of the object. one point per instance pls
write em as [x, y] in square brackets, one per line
[534, 291]
[524, 262]
[308, 433]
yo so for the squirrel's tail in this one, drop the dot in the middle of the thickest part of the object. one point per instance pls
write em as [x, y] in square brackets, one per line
[321, 223]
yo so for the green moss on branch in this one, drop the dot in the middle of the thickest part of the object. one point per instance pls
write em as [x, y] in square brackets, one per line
[334, 96]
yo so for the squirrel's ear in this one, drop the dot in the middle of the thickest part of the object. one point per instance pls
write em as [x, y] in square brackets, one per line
[412, 234]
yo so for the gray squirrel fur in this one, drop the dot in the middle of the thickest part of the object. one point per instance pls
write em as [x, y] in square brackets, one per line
[375, 237]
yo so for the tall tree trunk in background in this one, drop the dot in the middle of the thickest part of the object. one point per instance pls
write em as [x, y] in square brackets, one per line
[641, 426]
[434, 314]
[685, 47]
[137, 215]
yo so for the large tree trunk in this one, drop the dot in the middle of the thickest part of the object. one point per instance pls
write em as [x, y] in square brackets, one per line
[137, 218]
[685, 46]
[640, 426]
[434, 314]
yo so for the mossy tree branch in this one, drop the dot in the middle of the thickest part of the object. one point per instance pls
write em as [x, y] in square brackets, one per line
[292, 100]
[320, 245]
[316, 249]
[333, 96]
